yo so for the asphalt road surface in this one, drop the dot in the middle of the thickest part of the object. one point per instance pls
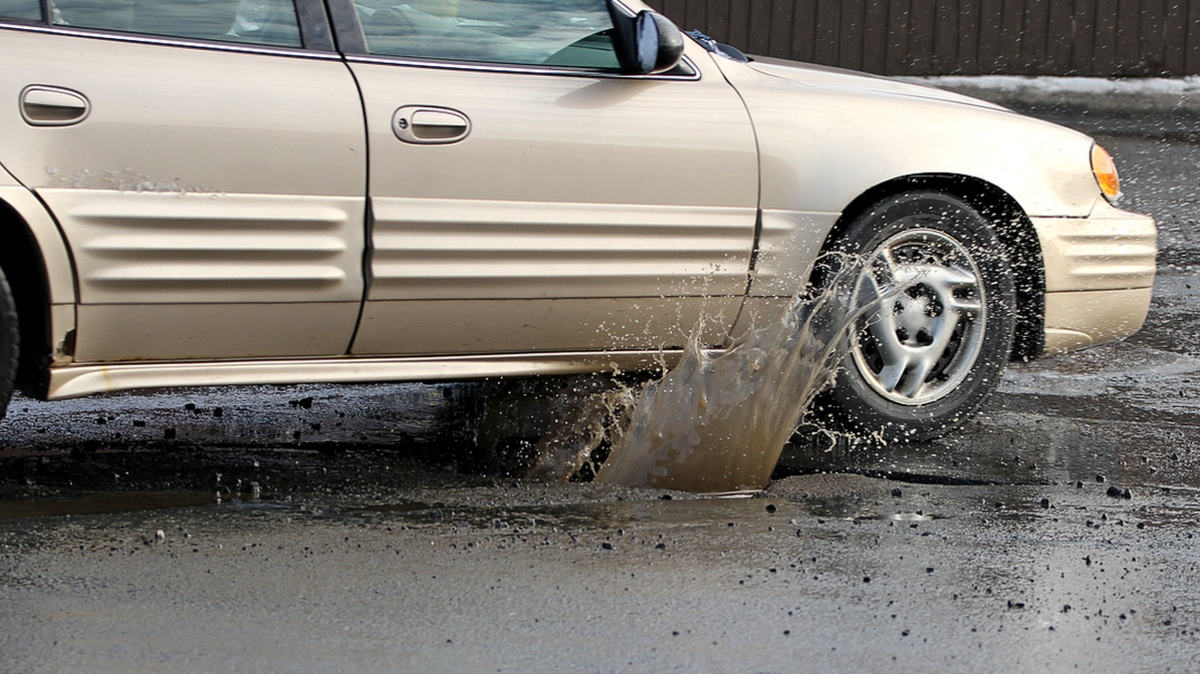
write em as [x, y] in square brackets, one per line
[332, 529]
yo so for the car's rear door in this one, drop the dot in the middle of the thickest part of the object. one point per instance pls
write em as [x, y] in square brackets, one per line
[527, 196]
[206, 162]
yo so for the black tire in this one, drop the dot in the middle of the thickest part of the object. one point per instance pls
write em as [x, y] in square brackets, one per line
[924, 362]
[8, 344]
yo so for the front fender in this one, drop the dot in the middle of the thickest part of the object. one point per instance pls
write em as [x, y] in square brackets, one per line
[825, 138]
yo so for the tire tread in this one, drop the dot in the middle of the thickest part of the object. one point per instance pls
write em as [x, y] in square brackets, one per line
[9, 341]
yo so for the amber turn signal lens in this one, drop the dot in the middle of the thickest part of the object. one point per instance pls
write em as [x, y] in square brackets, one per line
[1106, 173]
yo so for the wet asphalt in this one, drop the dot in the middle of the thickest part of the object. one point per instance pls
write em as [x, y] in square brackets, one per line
[336, 529]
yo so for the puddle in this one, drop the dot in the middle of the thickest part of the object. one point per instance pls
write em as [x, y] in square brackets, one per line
[717, 423]
[842, 509]
[401, 506]
[104, 502]
[690, 512]
[909, 517]
[256, 506]
[695, 512]
[235, 416]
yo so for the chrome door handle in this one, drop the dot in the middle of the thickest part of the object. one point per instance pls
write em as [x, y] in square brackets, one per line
[430, 124]
[43, 105]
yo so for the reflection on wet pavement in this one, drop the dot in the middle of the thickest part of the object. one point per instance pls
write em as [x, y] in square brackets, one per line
[103, 502]
[242, 416]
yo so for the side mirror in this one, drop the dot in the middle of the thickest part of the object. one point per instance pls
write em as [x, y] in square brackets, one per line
[647, 43]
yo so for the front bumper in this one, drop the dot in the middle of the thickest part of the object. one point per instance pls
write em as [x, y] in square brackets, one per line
[1099, 276]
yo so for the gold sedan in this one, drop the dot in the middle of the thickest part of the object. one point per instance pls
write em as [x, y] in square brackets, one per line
[268, 191]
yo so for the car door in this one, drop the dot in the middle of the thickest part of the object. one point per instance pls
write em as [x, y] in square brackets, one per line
[527, 196]
[206, 164]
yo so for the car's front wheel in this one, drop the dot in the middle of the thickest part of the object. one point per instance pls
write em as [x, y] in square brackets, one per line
[8, 343]
[939, 330]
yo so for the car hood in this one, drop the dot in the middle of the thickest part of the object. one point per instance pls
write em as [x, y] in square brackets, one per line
[815, 125]
[827, 77]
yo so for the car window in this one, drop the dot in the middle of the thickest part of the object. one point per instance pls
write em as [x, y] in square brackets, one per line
[560, 33]
[22, 10]
[265, 22]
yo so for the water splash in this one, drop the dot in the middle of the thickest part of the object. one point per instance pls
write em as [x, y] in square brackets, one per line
[553, 429]
[718, 421]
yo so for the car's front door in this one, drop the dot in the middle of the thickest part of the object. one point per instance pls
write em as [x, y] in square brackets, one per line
[527, 196]
[206, 166]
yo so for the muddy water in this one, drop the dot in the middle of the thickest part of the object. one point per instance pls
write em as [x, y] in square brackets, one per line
[717, 422]
[104, 502]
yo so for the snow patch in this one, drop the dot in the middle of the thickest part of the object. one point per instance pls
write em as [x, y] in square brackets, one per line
[1091, 86]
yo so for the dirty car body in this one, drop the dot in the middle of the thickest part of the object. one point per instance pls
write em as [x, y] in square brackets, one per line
[262, 191]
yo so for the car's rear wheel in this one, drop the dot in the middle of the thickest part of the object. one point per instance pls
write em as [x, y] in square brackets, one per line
[935, 344]
[8, 343]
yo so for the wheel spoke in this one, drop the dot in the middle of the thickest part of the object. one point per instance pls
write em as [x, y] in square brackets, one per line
[946, 280]
[918, 370]
[882, 327]
[888, 257]
[891, 374]
[964, 305]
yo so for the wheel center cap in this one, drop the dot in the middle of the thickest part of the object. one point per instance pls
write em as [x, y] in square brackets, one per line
[914, 320]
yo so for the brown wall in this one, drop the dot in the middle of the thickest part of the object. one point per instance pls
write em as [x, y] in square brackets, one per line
[1104, 38]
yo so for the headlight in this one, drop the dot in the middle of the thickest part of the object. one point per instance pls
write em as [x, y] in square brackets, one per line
[1106, 173]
